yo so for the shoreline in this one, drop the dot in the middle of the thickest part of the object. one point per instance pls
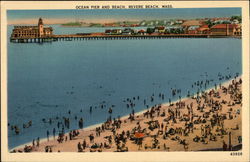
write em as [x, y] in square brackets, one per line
[122, 117]
[125, 117]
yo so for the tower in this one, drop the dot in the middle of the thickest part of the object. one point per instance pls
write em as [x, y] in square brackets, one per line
[40, 27]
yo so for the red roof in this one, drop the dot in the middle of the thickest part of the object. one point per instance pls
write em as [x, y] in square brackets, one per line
[108, 31]
[223, 26]
[204, 26]
[141, 31]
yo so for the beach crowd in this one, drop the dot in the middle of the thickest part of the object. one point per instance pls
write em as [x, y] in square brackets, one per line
[207, 120]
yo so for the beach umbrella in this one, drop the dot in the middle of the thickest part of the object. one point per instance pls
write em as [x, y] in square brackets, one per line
[139, 135]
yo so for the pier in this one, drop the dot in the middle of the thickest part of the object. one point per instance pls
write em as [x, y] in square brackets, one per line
[77, 37]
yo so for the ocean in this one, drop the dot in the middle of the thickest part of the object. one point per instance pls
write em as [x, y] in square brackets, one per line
[47, 80]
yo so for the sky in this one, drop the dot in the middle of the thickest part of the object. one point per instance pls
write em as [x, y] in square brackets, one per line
[111, 15]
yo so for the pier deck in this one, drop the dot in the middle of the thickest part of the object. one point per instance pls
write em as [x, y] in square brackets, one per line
[103, 36]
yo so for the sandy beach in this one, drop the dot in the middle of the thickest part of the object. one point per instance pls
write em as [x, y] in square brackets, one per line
[207, 121]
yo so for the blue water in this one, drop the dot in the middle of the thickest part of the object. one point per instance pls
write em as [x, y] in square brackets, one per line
[46, 80]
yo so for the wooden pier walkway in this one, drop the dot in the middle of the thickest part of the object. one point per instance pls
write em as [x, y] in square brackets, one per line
[103, 36]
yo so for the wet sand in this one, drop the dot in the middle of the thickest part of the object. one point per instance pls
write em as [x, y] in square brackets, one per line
[172, 132]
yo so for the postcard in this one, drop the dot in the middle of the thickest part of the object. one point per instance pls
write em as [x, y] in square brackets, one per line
[123, 81]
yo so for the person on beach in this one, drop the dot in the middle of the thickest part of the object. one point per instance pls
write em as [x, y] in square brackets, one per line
[54, 133]
[240, 139]
[84, 144]
[33, 142]
[37, 141]
[91, 138]
[48, 135]
[70, 135]
[79, 146]
[224, 146]
[46, 148]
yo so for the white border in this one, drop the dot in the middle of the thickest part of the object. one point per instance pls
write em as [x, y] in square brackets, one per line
[131, 156]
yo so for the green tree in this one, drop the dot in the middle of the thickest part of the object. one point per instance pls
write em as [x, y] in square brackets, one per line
[167, 31]
[209, 23]
[237, 18]
[181, 31]
[150, 30]
[177, 31]
[172, 31]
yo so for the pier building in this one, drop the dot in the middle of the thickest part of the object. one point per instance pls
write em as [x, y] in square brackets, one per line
[38, 31]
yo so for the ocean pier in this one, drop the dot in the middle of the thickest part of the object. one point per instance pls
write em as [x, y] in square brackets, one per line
[75, 37]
